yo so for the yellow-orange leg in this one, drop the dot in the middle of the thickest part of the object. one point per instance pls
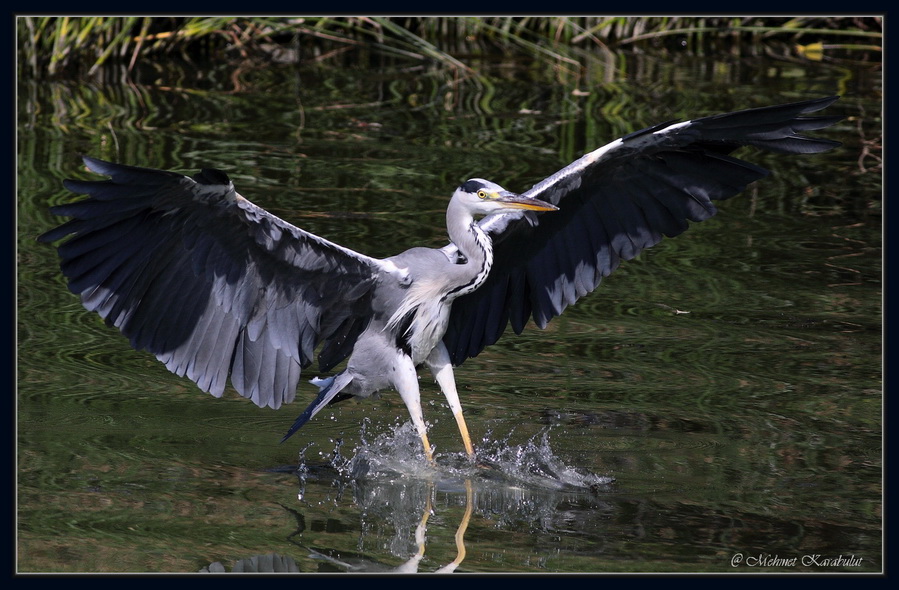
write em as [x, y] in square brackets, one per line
[442, 369]
[405, 379]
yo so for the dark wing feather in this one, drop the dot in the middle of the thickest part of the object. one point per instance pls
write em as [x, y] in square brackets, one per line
[210, 283]
[613, 203]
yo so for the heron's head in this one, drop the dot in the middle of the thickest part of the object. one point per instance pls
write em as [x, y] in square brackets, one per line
[484, 197]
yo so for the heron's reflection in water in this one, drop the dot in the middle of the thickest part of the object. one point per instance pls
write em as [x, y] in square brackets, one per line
[387, 495]
[460, 532]
[358, 563]
[397, 494]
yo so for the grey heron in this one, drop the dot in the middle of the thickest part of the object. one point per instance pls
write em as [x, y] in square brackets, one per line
[214, 286]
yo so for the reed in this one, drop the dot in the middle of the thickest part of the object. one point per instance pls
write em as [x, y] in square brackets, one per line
[72, 45]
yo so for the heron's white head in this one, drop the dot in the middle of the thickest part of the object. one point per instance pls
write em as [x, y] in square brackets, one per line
[482, 197]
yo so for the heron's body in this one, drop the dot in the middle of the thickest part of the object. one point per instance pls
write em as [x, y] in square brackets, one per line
[410, 312]
[216, 287]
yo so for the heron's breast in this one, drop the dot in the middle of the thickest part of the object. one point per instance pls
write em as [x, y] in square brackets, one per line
[427, 329]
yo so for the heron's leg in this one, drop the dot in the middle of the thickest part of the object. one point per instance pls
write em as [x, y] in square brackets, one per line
[440, 365]
[405, 380]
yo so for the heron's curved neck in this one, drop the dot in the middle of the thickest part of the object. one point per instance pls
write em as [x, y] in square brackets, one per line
[474, 244]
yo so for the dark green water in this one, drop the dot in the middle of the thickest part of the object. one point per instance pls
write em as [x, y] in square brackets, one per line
[730, 379]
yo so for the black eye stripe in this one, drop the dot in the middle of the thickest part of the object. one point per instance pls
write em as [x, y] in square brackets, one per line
[472, 186]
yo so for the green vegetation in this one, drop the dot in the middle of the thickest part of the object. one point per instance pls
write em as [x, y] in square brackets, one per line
[69, 46]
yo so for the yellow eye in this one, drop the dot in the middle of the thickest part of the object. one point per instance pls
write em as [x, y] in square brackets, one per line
[482, 194]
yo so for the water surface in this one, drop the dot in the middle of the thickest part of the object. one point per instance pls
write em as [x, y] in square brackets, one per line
[715, 406]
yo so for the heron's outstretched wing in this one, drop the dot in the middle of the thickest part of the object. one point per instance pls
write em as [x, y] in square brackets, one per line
[210, 283]
[613, 203]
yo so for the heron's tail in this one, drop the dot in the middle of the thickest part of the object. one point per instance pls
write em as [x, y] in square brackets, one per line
[328, 390]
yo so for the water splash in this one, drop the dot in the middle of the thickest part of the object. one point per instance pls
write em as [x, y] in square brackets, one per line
[390, 454]
[397, 453]
[534, 464]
